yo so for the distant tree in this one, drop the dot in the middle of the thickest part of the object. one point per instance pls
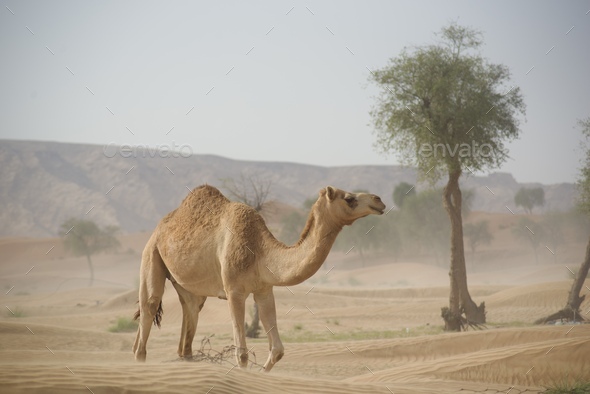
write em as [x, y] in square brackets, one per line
[529, 198]
[252, 190]
[531, 232]
[571, 311]
[580, 222]
[360, 236]
[294, 222]
[468, 198]
[445, 109]
[477, 233]
[85, 238]
[402, 191]
[389, 235]
[357, 238]
[554, 222]
[308, 203]
[292, 226]
[423, 219]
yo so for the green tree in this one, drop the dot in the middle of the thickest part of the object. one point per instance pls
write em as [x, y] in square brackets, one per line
[532, 233]
[529, 198]
[360, 236]
[425, 222]
[85, 238]
[390, 235]
[477, 233]
[402, 191]
[445, 109]
[571, 311]
[554, 223]
[294, 222]
[467, 197]
[292, 225]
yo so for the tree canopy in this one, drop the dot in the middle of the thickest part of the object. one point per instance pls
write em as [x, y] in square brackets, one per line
[84, 238]
[478, 233]
[401, 192]
[529, 198]
[444, 108]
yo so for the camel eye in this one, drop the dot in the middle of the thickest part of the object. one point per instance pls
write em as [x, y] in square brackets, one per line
[349, 200]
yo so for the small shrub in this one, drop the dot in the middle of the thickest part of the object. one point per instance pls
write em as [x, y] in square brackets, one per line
[15, 312]
[124, 324]
[567, 386]
[402, 283]
[22, 293]
[298, 327]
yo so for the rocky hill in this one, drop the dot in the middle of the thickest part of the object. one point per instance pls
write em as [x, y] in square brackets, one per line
[44, 183]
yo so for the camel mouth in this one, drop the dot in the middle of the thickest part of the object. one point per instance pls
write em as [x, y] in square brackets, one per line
[380, 211]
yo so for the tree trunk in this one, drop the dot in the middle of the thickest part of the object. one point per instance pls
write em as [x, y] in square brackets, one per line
[459, 299]
[252, 330]
[571, 311]
[91, 270]
[360, 249]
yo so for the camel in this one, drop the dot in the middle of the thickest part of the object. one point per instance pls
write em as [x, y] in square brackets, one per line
[213, 247]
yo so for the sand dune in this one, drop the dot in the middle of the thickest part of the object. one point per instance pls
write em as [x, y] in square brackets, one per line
[68, 350]
[377, 333]
[492, 359]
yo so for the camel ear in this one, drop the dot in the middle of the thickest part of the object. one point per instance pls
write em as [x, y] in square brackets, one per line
[331, 193]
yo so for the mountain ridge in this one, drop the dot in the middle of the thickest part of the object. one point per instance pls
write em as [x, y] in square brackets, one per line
[42, 183]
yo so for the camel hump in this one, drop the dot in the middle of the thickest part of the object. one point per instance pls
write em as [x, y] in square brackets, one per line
[205, 195]
[207, 190]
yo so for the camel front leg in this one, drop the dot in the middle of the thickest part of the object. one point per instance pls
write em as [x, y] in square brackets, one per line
[237, 307]
[268, 317]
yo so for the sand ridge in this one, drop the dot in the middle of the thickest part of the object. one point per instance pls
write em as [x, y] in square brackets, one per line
[58, 340]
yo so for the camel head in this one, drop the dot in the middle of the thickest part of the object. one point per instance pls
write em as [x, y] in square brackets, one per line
[346, 207]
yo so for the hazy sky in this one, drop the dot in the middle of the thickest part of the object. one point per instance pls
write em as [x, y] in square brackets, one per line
[274, 80]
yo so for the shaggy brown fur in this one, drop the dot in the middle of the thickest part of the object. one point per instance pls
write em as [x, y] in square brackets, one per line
[157, 317]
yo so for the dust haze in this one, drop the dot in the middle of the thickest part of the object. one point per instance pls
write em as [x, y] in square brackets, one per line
[369, 319]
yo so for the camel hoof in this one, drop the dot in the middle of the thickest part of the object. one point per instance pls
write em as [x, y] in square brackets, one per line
[140, 358]
[243, 360]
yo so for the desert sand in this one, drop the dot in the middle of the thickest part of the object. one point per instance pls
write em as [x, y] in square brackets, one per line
[350, 329]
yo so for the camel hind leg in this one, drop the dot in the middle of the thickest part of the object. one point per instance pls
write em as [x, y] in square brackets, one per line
[152, 277]
[191, 306]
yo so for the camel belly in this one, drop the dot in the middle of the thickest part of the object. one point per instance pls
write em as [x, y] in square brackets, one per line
[200, 277]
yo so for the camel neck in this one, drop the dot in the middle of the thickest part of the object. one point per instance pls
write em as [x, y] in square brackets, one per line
[291, 265]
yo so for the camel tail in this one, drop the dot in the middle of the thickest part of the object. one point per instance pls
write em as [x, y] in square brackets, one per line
[157, 317]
